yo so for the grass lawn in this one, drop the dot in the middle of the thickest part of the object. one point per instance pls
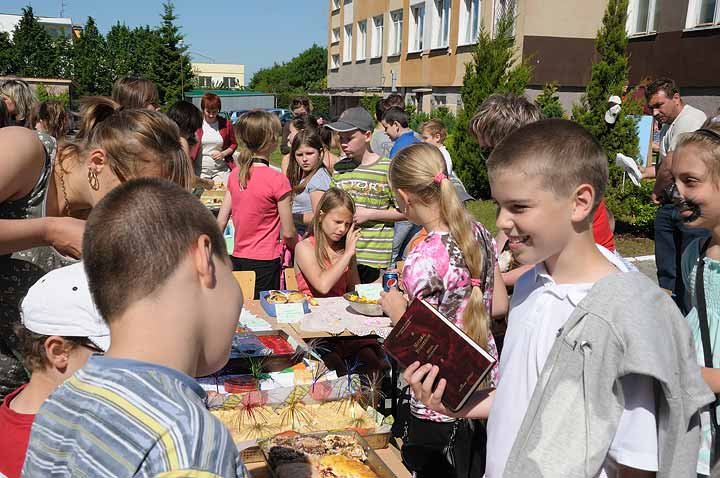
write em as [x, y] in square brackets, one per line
[628, 245]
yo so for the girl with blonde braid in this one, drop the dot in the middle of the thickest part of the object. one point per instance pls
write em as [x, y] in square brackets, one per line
[455, 269]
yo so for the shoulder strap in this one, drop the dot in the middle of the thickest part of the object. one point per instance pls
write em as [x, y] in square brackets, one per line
[703, 319]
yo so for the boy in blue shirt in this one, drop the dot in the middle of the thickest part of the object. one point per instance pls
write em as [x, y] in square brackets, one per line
[396, 121]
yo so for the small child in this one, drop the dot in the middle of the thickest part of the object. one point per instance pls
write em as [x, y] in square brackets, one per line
[455, 269]
[364, 176]
[259, 199]
[60, 330]
[325, 262]
[434, 132]
[397, 126]
[597, 377]
[308, 177]
[156, 263]
[696, 170]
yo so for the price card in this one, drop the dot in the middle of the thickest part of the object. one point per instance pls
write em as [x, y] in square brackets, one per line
[289, 313]
[369, 291]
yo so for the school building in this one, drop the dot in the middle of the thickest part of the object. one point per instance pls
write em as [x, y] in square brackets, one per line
[219, 75]
[419, 48]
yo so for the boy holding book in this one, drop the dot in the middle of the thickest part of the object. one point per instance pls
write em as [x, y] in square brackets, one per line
[159, 274]
[597, 375]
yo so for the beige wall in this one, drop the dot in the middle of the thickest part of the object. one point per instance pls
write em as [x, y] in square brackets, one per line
[561, 18]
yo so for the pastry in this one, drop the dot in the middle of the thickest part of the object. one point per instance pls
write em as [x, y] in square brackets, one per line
[276, 297]
[339, 466]
[295, 296]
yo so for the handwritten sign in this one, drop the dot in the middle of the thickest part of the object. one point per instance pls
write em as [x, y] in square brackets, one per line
[369, 291]
[289, 313]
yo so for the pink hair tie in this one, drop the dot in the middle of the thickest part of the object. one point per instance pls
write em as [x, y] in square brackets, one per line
[475, 283]
[439, 177]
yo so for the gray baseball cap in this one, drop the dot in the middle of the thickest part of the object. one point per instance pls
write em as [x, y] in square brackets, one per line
[352, 119]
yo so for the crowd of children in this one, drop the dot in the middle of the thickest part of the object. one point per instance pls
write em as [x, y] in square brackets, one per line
[598, 374]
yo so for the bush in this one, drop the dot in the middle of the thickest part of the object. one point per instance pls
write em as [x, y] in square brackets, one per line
[549, 102]
[369, 102]
[321, 105]
[43, 94]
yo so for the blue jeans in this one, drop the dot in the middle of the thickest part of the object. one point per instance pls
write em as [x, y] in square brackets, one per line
[671, 239]
[404, 232]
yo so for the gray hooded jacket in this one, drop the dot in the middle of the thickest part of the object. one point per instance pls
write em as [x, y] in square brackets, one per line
[625, 325]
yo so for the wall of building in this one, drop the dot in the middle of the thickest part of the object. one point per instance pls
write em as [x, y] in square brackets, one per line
[218, 72]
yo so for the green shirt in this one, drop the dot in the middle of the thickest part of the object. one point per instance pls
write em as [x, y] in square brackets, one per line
[369, 187]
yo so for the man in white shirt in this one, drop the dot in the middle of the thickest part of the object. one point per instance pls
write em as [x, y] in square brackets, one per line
[671, 236]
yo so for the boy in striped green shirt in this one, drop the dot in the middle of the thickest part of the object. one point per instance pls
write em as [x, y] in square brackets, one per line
[158, 271]
[364, 175]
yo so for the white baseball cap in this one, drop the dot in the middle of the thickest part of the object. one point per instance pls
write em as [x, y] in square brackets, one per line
[60, 304]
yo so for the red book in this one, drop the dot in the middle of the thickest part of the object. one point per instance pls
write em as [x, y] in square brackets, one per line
[425, 335]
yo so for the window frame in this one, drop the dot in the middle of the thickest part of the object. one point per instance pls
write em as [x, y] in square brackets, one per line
[440, 29]
[361, 41]
[336, 4]
[692, 21]
[377, 43]
[396, 33]
[333, 37]
[417, 28]
[347, 43]
[469, 22]
[334, 61]
[650, 21]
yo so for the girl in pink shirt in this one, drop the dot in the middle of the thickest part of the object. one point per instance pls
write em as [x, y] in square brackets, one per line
[325, 261]
[258, 197]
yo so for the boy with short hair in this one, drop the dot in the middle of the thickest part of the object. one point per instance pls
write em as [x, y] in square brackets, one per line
[396, 123]
[159, 274]
[597, 375]
[60, 330]
[434, 132]
[364, 175]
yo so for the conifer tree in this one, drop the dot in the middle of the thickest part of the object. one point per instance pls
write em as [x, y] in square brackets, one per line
[91, 75]
[34, 53]
[173, 71]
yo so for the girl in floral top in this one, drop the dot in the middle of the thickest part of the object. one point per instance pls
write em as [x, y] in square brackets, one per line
[454, 268]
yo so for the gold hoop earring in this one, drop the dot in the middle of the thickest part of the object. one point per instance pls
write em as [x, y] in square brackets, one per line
[93, 179]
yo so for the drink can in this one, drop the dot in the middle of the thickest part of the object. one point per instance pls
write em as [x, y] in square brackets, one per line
[390, 281]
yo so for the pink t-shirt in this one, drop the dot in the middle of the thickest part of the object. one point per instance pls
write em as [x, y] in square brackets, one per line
[255, 213]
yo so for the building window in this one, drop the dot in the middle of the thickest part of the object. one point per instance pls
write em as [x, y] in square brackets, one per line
[205, 81]
[417, 27]
[440, 101]
[441, 23]
[347, 44]
[335, 62]
[703, 13]
[642, 17]
[336, 35]
[361, 40]
[396, 32]
[502, 8]
[335, 5]
[377, 36]
[469, 21]
[229, 82]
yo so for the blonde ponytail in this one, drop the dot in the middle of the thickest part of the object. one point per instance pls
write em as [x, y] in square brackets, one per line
[420, 169]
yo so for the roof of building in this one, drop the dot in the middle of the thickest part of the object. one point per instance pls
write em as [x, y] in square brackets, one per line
[196, 93]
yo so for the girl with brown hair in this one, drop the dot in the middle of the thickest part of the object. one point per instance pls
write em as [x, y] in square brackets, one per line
[258, 197]
[51, 117]
[308, 177]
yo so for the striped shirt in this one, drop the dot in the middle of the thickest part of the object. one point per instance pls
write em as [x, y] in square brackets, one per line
[369, 187]
[124, 418]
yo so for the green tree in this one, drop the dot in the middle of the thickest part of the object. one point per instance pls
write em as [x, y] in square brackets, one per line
[609, 77]
[494, 69]
[35, 54]
[549, 102]
[91, 74]
[173, 70]
[145, 48]
[7, 60]
[122, 55]
[305, 72]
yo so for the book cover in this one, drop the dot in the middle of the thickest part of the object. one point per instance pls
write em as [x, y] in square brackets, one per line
[423, 334]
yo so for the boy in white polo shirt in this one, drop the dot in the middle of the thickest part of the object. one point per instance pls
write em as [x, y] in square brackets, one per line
[596, 377]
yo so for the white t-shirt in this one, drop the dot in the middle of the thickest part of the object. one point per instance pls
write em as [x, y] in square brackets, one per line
[539, 308]
[212, 141]
[448, 160]
[690, 119]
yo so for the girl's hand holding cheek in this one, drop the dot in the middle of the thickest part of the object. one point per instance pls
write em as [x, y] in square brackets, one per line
[351, 240]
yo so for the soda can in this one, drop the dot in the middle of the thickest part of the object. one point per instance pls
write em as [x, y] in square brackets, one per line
[390, 281]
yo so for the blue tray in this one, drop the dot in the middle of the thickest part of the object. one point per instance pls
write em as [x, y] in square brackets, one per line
[270, 308]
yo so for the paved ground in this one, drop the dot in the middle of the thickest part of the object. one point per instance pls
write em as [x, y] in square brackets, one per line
[648, 268]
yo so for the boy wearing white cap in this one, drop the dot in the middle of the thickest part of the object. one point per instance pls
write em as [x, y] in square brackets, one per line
[60, 330]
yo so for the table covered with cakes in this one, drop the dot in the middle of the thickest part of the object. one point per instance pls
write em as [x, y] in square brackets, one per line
[289, 413]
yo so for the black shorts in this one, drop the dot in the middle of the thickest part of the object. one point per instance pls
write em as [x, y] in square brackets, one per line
[267, 273]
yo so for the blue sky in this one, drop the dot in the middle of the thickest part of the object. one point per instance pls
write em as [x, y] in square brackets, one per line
[250, 32]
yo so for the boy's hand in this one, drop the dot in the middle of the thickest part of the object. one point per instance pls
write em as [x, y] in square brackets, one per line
[362, 215]
[421, 381]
